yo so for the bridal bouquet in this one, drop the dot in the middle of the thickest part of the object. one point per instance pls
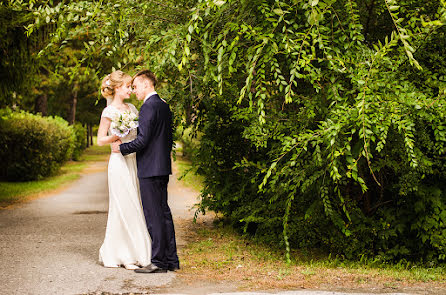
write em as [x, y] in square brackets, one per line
[122, 124]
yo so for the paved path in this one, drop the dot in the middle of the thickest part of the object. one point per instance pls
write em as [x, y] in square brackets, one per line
[50, 245]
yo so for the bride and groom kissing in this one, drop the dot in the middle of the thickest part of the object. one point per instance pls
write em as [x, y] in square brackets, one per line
[140, 232]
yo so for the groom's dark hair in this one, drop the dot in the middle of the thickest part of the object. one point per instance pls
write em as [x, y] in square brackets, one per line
[146, 74]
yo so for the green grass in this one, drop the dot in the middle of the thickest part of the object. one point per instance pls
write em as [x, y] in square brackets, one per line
[96, 153]
[16, 192]
[188, 173]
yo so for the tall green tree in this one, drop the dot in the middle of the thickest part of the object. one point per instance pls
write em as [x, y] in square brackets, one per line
[19, 62]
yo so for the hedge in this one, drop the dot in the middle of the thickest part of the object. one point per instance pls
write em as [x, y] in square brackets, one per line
[80, 133]
[33, 146]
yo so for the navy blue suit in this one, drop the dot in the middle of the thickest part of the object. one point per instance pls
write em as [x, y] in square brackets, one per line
[153, 146]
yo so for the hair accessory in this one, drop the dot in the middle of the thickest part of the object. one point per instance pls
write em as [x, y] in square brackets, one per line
[107, 82]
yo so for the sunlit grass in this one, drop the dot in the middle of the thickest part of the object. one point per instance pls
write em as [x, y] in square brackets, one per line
[15, 192]
[96, 153]
[188, 173]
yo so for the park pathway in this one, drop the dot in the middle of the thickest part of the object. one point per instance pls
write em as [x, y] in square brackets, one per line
[50, 245]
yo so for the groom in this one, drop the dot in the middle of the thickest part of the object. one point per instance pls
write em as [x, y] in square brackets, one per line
[153, 146]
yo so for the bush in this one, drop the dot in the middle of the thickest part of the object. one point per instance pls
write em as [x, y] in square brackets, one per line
[80, 133]
[189, 141]
[33, 146]
[319, 132]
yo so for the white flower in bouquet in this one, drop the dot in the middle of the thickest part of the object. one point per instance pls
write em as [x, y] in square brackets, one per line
[122, 124]
[133, 124]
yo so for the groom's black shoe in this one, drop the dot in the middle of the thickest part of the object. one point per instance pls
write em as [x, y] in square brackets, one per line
[151, 268]
[173, 268]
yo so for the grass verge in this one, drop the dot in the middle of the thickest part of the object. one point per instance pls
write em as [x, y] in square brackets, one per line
[188, 174]
[16, 192]
[216, 252]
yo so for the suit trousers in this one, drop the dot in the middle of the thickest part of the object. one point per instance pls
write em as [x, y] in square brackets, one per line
[159, 221]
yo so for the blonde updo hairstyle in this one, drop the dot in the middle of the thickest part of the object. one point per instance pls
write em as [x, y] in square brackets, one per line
[111, 82]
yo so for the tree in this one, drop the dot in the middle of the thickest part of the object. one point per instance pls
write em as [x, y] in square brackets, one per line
[19, 61]
[328, 121]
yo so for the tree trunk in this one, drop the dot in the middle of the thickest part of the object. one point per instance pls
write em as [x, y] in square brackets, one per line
[370, 8]
[91, 134]
[72, 115]
[41, 105]
[87, 134]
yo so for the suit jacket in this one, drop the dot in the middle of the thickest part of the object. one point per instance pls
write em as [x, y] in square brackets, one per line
[153, 143]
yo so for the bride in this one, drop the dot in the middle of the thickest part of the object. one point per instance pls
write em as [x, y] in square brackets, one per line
[127, 241]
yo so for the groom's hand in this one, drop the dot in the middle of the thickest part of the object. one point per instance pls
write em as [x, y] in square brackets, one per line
[115, 146]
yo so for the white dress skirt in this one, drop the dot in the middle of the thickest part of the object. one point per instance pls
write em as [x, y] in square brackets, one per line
[127, 239]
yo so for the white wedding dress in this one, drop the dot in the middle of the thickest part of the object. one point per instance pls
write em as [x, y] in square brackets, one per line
[127, 240]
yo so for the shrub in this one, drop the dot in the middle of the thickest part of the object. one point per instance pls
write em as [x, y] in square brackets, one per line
[189, 141]
[33, 146]
[319, 132]
[80, 133]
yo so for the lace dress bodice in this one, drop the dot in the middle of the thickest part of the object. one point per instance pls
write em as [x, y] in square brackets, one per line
[112, 112]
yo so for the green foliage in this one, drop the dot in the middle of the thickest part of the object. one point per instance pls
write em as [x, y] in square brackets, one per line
[17, 61]
[80, 144]
[33, 146]
[316, 131]
[89, 39]
[188, 140]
